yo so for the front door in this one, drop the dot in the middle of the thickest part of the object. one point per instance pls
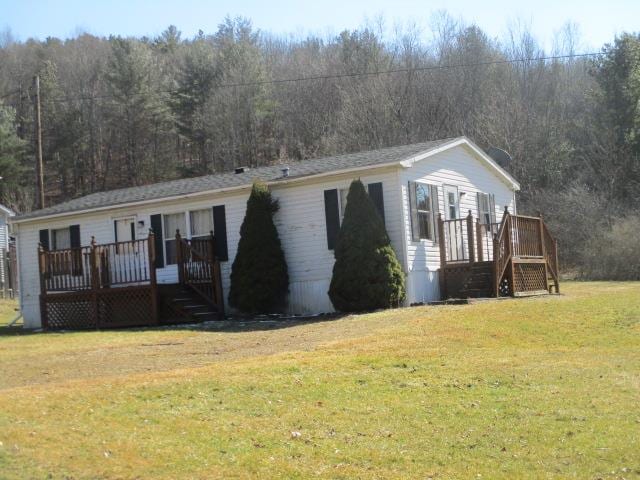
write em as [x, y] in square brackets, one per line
[123, 265]
[454, 231]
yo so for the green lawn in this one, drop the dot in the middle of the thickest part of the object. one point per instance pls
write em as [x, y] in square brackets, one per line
[530, 388]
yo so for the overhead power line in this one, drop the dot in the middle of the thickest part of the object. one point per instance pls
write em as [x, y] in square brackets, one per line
[9, 94]
[345, 75]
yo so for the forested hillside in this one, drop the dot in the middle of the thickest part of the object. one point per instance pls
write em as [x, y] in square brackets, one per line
[129, 111]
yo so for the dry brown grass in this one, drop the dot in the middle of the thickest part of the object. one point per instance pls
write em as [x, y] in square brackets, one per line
[531, 388]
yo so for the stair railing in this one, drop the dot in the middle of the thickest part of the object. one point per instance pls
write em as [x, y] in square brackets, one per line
[551, 254]
[199, 269]
[502, 250]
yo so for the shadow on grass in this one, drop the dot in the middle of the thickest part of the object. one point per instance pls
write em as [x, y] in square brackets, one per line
[231, 325]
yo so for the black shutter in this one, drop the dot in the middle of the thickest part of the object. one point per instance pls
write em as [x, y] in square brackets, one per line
[74, 234]
[332, 216]
[220, 232]
[156, 226]
[44, 239]
[375, 192]
[76, 256]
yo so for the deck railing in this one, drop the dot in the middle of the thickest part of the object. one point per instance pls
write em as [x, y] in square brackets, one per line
[76, 285]
[502, 251]
[526, 234]
[551, 255]
[124, 263]
[517, 240]
[466, 240]
[97, 266]
[199, 269]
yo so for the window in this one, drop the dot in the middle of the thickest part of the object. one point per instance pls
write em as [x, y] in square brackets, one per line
[201, 223]
[343, 192]
[342, 200]
[201, 226]
[452, 205]
[486, 208]
[61, 238]
[425, 214]
[172, 222]
[423, 201]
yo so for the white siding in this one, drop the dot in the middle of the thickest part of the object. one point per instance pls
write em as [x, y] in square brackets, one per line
[300, 222]
[4, 246]
[302, 227]
[458, 167]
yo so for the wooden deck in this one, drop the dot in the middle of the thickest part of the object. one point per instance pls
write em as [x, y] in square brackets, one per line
[516, 257]
[115, 285]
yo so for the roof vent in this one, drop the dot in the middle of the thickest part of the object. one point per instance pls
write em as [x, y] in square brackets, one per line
[285, 172]
[241, 169]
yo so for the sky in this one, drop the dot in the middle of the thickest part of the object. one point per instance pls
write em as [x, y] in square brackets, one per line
[598, 21]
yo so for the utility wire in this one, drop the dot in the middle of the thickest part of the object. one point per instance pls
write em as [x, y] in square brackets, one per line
[9, 94]
[344, 75]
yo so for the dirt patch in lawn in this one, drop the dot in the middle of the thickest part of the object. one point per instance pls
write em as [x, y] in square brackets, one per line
[54, 358]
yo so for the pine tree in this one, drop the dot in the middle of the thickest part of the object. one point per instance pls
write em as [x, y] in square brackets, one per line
[366, 274]
[259, 278]
[12, 152]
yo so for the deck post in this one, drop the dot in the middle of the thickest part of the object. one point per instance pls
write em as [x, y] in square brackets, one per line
[543, 251]
[179, 259]
[95, 282]
[509, 243]
[151, 250]
[472, 250]
[496, 253]
[555, 253]
[443, 258]
[42, 266]
[441, 241]
[479, 241]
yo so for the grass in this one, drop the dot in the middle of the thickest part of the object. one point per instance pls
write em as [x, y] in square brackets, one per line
[7, 311]
[530, 388]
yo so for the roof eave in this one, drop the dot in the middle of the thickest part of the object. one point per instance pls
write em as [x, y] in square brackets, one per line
[501, 173]
[19, 220]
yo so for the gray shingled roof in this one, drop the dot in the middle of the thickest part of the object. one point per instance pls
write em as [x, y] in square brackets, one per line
[221, 181]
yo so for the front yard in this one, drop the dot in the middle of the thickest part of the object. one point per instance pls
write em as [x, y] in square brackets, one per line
[531, 388]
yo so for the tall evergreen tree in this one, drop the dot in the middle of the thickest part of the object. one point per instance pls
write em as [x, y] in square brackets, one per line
[12, 150]
[366, 274]
[259, 277]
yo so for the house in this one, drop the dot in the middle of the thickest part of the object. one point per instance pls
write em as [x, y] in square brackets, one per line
[6, 285]
[115, 257]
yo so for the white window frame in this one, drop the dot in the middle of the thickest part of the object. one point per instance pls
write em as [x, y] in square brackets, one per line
[173, 237]
[186, 233]
[412, 204]
[342, 203]
[210, 212]
[490, 204]
[430, 213]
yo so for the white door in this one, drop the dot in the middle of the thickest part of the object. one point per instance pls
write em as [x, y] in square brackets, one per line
[125, 229]
[124, 264]
[454, 232]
